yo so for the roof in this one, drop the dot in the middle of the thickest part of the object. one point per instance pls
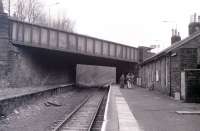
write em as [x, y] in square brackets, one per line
[172, 47]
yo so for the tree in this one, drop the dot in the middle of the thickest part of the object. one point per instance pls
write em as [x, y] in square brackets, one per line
[60, 22]
[27, 10]
[32, 11]
[4, 4]
[63, 23]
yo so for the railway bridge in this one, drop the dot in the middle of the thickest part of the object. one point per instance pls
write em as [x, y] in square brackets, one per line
[42, 61]
[32, 54]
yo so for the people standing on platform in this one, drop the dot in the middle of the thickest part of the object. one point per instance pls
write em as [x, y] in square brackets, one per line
[122, 81]
[128, 79]
[132, 80]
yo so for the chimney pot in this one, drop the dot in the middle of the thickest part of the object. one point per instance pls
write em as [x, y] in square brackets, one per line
[194, 26]
[175, 36]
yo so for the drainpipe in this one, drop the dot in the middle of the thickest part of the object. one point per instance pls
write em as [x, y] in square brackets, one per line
[170, 85]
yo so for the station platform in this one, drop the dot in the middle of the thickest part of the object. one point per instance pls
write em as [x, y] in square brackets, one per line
[118, 116]
[11, 98]
[138, 109]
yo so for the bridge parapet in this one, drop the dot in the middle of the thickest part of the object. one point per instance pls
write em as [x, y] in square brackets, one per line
[22, 33]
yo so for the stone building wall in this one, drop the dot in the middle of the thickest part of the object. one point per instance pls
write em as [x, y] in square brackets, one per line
[175, 73]
[169, 67]
[156, 74]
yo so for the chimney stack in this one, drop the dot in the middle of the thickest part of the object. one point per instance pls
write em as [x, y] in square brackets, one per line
[194, 25]
[175, 36]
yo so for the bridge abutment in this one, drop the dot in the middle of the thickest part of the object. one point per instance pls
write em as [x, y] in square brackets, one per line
[30, 67]
[5, 51]
[33, 68]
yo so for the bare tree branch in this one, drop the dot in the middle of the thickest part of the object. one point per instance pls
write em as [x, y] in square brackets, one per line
[27, 10]
[32, 11]
[63, 23]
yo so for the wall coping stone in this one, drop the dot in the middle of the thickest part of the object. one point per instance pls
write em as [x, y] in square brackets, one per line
[20, 92]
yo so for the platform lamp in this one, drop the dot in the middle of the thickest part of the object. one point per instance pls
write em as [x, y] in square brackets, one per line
[8, 7]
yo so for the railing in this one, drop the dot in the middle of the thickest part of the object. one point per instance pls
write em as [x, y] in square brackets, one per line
[44, 37]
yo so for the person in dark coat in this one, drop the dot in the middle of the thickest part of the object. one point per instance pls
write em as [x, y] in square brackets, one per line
[122, 80]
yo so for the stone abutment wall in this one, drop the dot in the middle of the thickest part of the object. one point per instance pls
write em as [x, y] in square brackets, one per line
[24, 67]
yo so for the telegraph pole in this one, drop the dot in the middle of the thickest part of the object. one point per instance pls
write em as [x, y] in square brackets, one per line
[8, 7]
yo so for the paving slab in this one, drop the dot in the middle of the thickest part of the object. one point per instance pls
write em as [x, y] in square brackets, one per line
[155, 111]
[126, 119]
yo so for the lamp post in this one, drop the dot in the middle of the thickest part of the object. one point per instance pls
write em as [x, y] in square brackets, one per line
[1, 7]
[8, 7]
[57, 3]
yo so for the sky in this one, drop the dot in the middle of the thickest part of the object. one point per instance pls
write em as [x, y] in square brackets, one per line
[131, 22]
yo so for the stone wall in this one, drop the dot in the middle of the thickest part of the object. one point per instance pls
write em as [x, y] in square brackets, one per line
[169, 68]
[4, 50]
[25, 67]
[36, 68]
[188, 58]
[159, 73]
[175, 72]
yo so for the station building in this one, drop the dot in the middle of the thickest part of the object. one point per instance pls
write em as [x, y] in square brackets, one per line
[175, 70]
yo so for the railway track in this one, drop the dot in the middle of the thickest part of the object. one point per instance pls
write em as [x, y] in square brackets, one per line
[83, 116]
[97, 124]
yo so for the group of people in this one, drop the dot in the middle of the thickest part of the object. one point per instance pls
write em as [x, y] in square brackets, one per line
[127, 81]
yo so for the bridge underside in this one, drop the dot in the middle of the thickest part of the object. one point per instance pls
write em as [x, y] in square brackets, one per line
[57, 60]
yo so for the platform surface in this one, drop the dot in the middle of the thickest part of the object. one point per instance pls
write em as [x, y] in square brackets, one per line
[127, 121]
[153, 111]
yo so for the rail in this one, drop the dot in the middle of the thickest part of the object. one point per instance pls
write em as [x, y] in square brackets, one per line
[94, 116]
[91, 105]
[59, 126]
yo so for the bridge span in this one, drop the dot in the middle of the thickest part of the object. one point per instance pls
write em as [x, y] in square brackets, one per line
[34, 55]
[32, 35]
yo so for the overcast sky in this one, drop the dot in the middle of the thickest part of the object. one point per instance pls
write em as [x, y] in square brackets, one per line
[131, 22]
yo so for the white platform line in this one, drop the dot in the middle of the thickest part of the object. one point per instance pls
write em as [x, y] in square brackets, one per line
[103, 128]
[127, 121]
